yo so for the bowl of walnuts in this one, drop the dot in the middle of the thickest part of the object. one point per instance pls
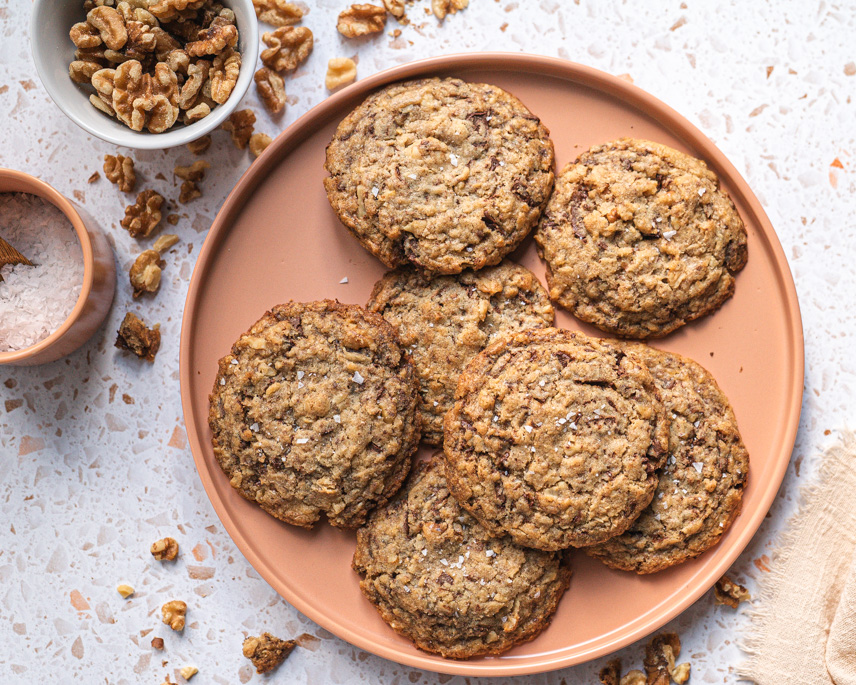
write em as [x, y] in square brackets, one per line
[145, 74]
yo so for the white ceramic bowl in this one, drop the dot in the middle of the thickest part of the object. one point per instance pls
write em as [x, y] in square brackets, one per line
[53, 51]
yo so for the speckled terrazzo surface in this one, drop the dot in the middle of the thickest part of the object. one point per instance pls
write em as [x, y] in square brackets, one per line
[96, 465]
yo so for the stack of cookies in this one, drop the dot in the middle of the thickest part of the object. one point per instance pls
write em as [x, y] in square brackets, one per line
[550, 439]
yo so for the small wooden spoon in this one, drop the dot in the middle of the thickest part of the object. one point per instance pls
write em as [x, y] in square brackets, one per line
[9, 255]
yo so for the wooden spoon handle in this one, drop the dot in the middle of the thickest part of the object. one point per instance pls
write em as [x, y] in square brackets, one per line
[9, 255]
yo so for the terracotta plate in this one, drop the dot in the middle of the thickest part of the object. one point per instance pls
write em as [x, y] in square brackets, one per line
[276, 239]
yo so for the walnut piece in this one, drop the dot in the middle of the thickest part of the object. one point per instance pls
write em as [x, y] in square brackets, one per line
[634, 677]
[85, 35]
[197, 74]
[110, 26]
[443, 7]
[201, 111]
[167, 548]
[188, 672]
[212, 41]
[277, 12]
[145, 100]
[94, 177]
[135, 337]
[394, 7]
[726, 591]
[259, 143]
[200, 145]
[142, 217]
[288, 47]
[81, 71]
[174, 613]
[361, 20]
[271, 89]
[340, 72]
[145, 276]
[240, 124]
[164, 242]
[267, 652]
[660, 655]
[157, 643]
[120, 170]
[141, 40]
[223, 75]
[125, 590]
[191, 175]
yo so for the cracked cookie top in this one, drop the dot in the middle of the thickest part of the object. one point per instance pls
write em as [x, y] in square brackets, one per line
[639, 239]
[440, 173]
[554, 438]
[702, 481]
[314, 412]
[440, 579]
[444, 321]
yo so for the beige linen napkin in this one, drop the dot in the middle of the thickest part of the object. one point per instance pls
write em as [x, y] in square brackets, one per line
[804, 619]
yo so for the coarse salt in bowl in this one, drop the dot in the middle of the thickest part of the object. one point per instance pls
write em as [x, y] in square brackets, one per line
[70, 253]
[53, 51]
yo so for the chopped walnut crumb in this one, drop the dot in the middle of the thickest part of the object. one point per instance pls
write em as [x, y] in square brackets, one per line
[165, 242]
[271, 89]
[259, 143]
[611, 673]
[174, 613]
[200, 145]
[634, 677]
[288, 47]
[726, 591]
[660, 655]
[172, 219]
[267, 652]
[277, 12]
[340, 72]
[95, 176]
[361, 20]
[188, 672]
[191, 175]
[165, 549]
[240, 124]
[135, 337]
[142, 217]
[120, 170]
[157, 643]
[125, 590]
[394, 7]
[443, 7]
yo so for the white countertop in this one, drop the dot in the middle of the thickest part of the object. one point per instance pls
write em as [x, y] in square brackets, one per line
[96, 465]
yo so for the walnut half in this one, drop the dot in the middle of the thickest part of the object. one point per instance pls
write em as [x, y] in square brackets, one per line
[142, 217]
[361, 20]
[174, 613]
[340, 72]
[288, 47]
[120, 170]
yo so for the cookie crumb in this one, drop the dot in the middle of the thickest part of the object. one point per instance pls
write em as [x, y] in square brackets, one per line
[266, 652]
[134, 336]
[727, 592]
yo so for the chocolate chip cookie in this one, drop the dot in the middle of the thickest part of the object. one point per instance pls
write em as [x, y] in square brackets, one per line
[554, 438]
[639, 239]
[314, 411]
[444, 321]
[702, 481]
[440, 579]
[440, 173]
